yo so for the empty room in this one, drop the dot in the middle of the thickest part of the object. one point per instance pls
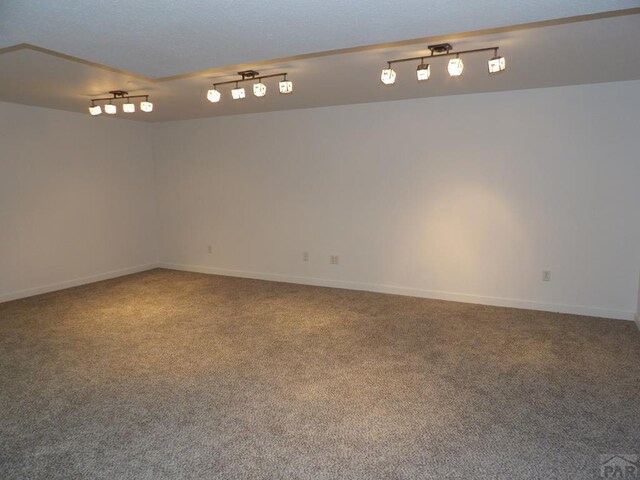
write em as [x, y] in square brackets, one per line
[320, 239]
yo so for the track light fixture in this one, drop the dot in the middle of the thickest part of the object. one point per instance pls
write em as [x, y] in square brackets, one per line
[128, 107]
[454, 67]
[95, 109]
[423, 72]
[237, 93]
[496, 64]
[388, 76]
[259, 89]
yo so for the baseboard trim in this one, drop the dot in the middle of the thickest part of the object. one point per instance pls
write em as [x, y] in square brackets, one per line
[52, 287]
[637, 319]
[411, 292]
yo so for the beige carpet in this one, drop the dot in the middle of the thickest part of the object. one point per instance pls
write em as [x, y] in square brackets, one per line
[173, 375]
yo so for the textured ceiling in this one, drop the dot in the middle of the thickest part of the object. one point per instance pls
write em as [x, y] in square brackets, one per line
[159, 38]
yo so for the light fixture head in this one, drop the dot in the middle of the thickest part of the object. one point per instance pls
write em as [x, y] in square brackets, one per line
[496, 64]
[110, 108]
[455, 67]
[286, 86]
[423, 72]
[128, 107]
[95, 109]
[259, 89]
[213, 95]
[237, 93]
[388, 76]
[146, 106]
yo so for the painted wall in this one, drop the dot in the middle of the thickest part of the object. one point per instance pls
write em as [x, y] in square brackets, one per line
[76, 199]
[638, 309]
[467, 197]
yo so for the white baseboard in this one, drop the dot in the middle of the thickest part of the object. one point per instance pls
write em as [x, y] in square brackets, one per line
[637, 319]
[412, 292]
[52, 287]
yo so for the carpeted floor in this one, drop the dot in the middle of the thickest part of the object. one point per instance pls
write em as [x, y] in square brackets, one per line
[174, 375]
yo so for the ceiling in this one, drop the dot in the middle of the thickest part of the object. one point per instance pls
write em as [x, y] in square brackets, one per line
[174, 50]
[159, 38]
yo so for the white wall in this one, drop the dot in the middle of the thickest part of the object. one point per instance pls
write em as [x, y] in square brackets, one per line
[466, 197]
[76, 199]
[638, 309]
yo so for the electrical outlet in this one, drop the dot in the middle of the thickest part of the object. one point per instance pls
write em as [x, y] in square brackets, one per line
[210, 249]
[546, 276]
[334, 259]
[305, 256]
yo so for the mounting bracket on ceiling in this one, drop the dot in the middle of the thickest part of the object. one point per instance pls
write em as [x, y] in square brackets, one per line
[248, 74]
[440, 48]
[119, 93]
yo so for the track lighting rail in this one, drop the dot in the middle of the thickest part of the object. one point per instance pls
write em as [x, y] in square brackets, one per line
[128, 107]
[246, 77]
[120, 95]
[259, 89]
[495, 65]
[448, 53]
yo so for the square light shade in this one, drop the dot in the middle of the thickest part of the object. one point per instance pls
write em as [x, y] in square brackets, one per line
[146, 107]
[388, 76]
[237, 93]
[455, 67]
[95, 110]
[110, 108]
[259, 89]
[497, 64]
[423, 72]
[213, 95]
[286, 86]
[128, 107]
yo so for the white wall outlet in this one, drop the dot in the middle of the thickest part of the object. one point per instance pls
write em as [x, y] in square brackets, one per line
[546, 276]
[209, 249]
[334, 259]
[305, 256]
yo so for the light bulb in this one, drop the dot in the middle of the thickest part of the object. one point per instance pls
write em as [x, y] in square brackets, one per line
[388, 76]
[146, 106]
[110, 108]
[423, 72]
[128, 107]
[455, 67]
[286, 86]
[237, 93]
[259, 89]
[213, 95]
[496, 64]
[95, 110]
